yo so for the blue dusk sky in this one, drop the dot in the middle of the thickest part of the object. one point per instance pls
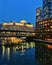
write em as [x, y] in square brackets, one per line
[17, 10]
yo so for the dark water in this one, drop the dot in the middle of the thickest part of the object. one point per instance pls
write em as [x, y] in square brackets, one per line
[12, 56]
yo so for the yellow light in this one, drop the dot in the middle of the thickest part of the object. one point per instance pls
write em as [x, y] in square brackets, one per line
[45, 21]
[23, 21]
[40, 22]
[28, 25]
[19, 24]
[48, 30]
[15, 40]
[50, 26]
[8, 23]
[45, 24]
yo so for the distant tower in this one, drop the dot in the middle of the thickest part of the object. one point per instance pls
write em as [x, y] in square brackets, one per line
[47, 9]
[38, 17]
[38, 14]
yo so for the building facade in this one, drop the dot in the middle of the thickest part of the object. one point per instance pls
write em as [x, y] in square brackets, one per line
[47, 9]
[44, 32]
[44, 50]
[44, 25]
[38, 18]
[44, 29]
[15, 31]
[21, 26]
[38, 14]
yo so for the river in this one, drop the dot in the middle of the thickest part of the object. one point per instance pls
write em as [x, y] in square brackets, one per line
[14, 56]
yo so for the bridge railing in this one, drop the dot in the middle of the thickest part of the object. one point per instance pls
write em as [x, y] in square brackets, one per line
[16, 34]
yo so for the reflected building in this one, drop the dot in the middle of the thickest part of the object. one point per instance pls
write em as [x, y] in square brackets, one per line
[44, 53]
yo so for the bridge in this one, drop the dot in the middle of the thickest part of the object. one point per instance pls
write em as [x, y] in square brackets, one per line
[16, 33]
[42, 41]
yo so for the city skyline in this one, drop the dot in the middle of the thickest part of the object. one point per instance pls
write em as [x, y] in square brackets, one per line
[18, 10]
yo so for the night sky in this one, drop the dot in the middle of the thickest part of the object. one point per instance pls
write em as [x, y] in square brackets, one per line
[17, 10]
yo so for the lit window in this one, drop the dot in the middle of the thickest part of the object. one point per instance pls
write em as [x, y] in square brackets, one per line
[45, 21]
[48, 30]
[40, 22]
[51, 20]
[37, 14]
[45, 24]
[50, 26]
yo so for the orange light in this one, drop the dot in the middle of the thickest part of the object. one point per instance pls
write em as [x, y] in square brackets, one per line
[49, 46]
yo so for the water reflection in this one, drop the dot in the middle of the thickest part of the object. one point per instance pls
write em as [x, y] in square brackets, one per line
[14, 50]
[18, 55]
[8, 53]
[22, 51]
[3, 51]
[44, 53]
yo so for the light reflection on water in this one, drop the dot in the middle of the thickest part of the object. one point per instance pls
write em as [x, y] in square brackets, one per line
[8, 53]
[14, 56]
[3, 51]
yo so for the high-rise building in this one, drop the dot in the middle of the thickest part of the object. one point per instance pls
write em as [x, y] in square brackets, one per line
[44, 29]
[44, 32]
[38, 17]
[47, 9]
[38, 14]
[44, 25]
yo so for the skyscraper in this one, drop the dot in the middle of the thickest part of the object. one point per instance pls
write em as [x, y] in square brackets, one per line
[47, 9]
[44, 23]
[38, 14]
[44, 32]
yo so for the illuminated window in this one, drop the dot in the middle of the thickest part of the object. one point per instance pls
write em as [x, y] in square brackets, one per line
[48, 30]
[37, 14]
[45, 21]
[50, 26]
[45, 24]
[51, 20]
[40, 22]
